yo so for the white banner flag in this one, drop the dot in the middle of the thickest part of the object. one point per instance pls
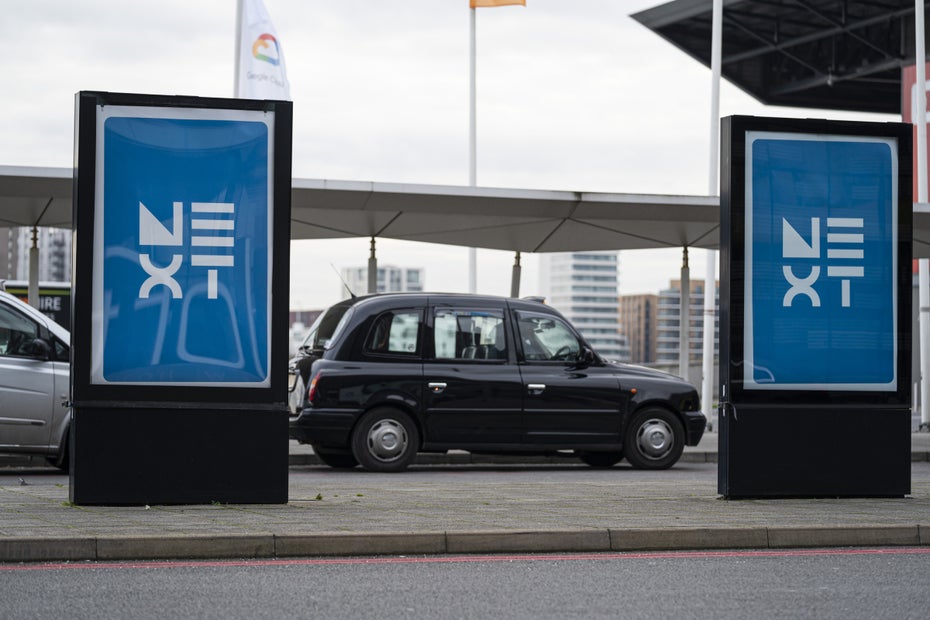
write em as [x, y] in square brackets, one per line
[261, 73]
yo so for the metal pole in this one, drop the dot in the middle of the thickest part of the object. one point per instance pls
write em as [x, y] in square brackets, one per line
[372, 270]
[33, 287]
[710, 265]
[515, 276]
[920, 86]
[472, 100]
[924, 293]
[472, 140]
[238, 55]
[923, 280]
[684, 318]
[709, 333]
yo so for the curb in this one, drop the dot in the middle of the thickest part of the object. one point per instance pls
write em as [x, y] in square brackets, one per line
[466, 458]
[270, 546]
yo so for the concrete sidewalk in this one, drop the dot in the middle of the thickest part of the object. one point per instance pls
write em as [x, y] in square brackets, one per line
[447, 508]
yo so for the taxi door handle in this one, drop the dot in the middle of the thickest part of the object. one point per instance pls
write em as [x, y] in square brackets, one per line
[436, 387]
[535, 388]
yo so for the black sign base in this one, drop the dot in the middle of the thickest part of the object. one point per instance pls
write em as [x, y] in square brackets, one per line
[135, 456]
[776, 451]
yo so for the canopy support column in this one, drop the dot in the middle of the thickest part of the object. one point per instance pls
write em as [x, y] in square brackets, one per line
[684, 318]
[515, 276]
[372, 269]
[33, 290]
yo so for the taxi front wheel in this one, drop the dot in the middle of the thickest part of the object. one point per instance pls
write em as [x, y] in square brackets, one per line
[654, 439]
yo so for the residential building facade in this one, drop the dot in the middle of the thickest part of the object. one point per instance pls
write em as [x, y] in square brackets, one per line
[583, 287]
[54, 254]
[668, 324]
[390, 280]
[638, 316]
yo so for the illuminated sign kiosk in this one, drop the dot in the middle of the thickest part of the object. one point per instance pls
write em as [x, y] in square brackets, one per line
[181, 214]
[815, 322]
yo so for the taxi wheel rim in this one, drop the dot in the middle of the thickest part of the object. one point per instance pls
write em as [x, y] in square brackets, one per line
[387, 440]
[655, 438]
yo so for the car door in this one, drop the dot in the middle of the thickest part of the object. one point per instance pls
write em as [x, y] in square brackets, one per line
[565, 403]
[474, 389]
[391, 356]
[29, 394]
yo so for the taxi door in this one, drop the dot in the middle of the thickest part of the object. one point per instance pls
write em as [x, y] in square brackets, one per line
[473, 387]
[566, 401]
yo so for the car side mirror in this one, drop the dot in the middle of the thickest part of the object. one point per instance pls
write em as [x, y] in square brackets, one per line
[585, 358]
[37, 349]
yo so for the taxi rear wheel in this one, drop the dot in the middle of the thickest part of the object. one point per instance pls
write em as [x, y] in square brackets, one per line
[385, 440]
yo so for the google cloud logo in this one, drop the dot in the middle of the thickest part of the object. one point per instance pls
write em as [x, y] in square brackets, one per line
[262, 43]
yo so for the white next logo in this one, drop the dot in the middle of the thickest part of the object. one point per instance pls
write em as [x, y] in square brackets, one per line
[844, 249]
[212, 228]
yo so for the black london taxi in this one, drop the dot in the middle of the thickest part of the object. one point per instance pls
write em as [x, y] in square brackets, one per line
[382, 377]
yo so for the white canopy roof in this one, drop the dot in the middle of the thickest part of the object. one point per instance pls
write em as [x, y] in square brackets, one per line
[481, 217]
[502, 219]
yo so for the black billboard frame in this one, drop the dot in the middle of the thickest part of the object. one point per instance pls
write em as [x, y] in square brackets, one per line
[802, 442]
[134, 444]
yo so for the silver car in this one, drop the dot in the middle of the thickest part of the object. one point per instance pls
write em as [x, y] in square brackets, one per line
[34, 383]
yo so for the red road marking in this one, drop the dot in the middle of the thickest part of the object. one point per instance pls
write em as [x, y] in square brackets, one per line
[457, 559]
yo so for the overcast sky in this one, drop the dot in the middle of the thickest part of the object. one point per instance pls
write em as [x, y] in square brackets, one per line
[572, 95]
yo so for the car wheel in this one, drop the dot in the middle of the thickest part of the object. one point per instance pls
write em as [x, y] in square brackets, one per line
[337, 460]
[63, 459]
[601, 459]
[385, 440]
[295, 398]
[654, 439]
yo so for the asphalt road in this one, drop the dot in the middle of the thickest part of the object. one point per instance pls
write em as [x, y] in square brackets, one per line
[834, 583]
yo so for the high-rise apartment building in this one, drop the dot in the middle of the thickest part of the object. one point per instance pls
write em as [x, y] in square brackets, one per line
[583, 287]
[668, 324]
[54, 254]
[638, 316]
[390, 280]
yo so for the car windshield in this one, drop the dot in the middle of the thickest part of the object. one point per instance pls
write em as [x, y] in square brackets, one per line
[324, 328]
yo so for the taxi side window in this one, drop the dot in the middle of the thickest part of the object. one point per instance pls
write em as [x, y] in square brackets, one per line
[546, 338]
[395, 333]
[469, 334]
[16, 332]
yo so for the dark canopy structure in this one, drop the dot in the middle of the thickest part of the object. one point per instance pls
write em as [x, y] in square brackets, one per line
[830, 54]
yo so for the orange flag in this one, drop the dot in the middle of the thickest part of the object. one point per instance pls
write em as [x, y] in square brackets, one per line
[480, 3]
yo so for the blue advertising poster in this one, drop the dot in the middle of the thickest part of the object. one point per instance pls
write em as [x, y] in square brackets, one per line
[183, 242]
[821, 262]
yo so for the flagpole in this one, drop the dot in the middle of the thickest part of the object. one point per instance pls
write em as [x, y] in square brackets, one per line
[472, 113]
[238, 47]
[710, 264]
[472, 142]
[923, 265]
